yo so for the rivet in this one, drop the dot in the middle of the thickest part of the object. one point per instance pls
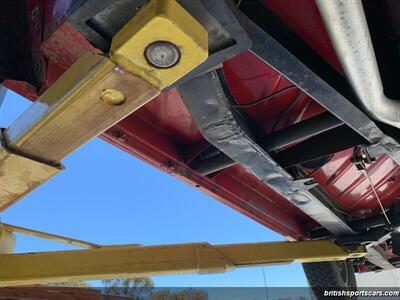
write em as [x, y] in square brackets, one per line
[113, 97]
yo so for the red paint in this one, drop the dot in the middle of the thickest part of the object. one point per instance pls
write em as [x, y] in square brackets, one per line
[303, 18]
[169, 114]
[163, 134]
[149, 144]
[352, 189]
[251, 80]
[61, 50]
[25, 89]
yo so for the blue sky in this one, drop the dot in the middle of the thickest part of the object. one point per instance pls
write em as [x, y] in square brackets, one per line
[109, 197]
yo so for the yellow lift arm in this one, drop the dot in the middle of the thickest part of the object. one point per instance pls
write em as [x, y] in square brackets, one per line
[158, 46]
[140, 261]
[107, 262]
[44, 235]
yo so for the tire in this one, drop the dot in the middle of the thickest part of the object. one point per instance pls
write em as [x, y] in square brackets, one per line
[338, 275]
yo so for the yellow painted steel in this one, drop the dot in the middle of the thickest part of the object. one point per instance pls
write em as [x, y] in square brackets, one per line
[140, 261]
[160, 20]
[287, 252]
[69, 114]
[47, 236]
[19, 176]
[7, 241]
[72, 110]
[94, 94]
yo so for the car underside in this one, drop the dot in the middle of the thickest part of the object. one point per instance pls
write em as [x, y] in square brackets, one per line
[292, 121]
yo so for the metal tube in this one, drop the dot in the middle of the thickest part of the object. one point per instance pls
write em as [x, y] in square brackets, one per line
[357, 225]
[49, 236]
[277, 140]
[300, 131]
[348, 30]
[214, 164]
[319, 146]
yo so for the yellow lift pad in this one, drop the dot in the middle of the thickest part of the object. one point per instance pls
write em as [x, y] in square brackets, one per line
[160, 21]
[97, 92]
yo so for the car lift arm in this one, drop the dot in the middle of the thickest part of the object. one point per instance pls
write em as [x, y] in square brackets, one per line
[109, 262]
[97, 92]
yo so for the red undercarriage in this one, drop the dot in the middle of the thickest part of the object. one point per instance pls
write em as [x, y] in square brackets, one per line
[163, 133]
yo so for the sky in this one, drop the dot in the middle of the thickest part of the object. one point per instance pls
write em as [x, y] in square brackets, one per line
[108, 197]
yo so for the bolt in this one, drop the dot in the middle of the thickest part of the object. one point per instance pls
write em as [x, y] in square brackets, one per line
[162, 54]
[113, 97]
[35, 12]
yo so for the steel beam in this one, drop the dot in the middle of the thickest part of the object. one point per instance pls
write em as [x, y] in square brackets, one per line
[214, 164]
[208, 104]
[69, 114]
[377, 256]
[276, 141]
[133, 261]
[329, 143]
[44, 235]
[300, 131]
[7, 241]
[281, 49]
[227, 35]
[276, 51]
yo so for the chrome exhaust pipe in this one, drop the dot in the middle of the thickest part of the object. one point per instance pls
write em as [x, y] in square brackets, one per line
[347, 27]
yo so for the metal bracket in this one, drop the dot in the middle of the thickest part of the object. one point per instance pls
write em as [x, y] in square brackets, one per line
[5, 145]
[99, 21]
[361, 158]
[228, 17]
[277, 46]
